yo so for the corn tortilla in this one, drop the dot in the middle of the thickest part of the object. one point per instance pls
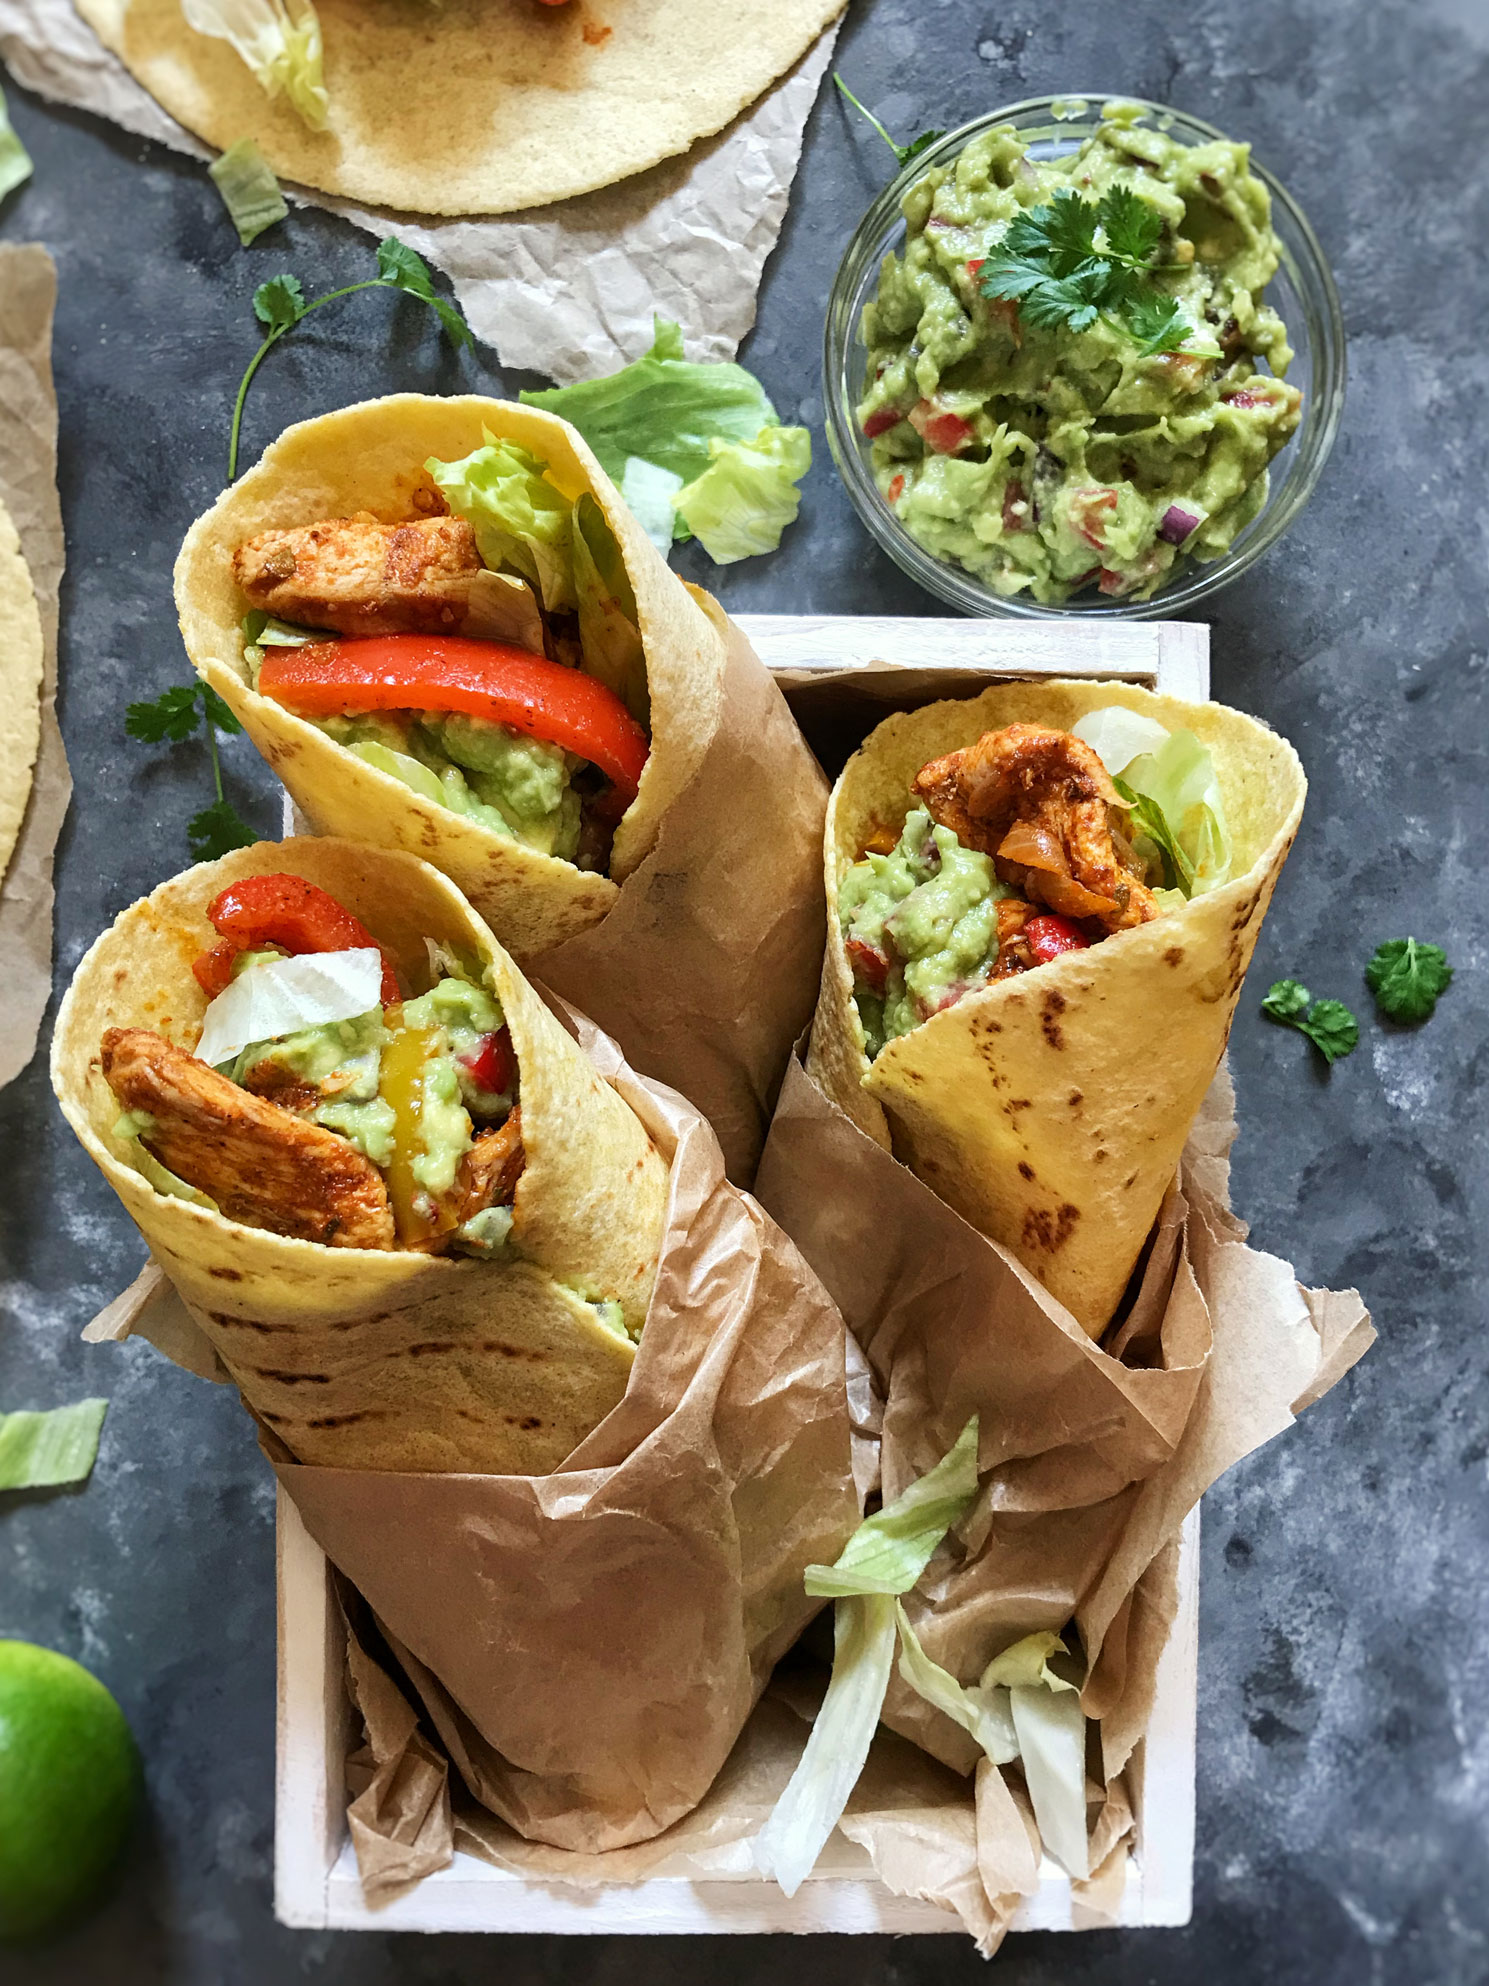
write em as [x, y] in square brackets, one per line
[371, 457]
[477, 106]
[390, 1360]
[1050, 1109]
[20, 687]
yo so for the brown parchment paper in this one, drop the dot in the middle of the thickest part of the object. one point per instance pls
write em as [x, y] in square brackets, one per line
[1091, 1454]
[28, 489]
[588, 1645]
[705, 969]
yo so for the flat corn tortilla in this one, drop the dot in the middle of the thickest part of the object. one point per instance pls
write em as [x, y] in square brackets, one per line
[20, 687]
[371, 457]
[477, 106]
[1050, 1109]
[390, 1360]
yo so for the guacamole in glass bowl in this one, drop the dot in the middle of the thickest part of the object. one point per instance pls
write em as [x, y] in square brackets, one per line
[1061, 361]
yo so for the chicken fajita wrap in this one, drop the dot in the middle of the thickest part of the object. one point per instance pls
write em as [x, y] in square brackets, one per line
[1042, 904]
[418, 1228]
[447, 633]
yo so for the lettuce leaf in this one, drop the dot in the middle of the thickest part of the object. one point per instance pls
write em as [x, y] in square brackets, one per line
[1118, 735]
[1051, 1729]
[15, 160]
[45, 1450]
[608, 630]
[747, 495]
[280, 40]
[983, 1712]
[249, 190]
[890, 1550]
[519, 518]
[282, 995]
[1168, 780]
[662, 410]
[648, 491]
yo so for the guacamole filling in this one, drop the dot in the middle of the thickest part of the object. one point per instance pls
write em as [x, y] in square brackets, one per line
[1039, 441]
[495, 569]
[1024, 846]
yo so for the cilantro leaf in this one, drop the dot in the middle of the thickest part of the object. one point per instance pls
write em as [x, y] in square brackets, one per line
[1062, 234]
[217, 712]
[1286, 999]
[1132, 227]
[279, 303]
[217, 830]
[1156, 323]
[1328, 1024]
[1407, 977]
[904, 153]
[399, 265]
[172, 718]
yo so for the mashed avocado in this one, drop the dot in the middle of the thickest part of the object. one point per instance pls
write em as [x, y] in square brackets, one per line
[1044, 459]
[488, 773]
[928, 911]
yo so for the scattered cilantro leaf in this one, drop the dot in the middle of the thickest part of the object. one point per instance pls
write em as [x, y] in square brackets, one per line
[1131, 226]
[1328, 1024]
[172, 718]
[1157, 323]
[904, 153]
[279, 305]
[217, 830]
[1407, 978]
[176, 715]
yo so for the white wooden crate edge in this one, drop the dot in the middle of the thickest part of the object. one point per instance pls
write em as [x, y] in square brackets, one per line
[315, 1872]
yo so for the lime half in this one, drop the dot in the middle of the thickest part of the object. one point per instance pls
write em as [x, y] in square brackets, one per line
[69, 1784]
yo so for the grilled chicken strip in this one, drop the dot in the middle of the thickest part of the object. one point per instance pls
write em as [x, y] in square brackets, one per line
[263, 1166]
[1040, 802]
[356, 576]
[490, 1170]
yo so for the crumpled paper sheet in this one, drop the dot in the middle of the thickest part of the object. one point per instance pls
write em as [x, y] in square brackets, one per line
[28, 488]
[567, 290]
[1091, 1456]
[589, 1644]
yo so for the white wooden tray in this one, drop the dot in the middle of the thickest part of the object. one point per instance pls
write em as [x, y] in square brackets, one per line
[885, 661]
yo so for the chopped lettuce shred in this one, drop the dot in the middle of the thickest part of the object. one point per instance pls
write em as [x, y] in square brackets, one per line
[747, 495]
[697, 449]
[279, 40]
[15, 160]
[1168, 780]
[46, 1450]
[520, 519]
[249, 190]
[1020, 1708]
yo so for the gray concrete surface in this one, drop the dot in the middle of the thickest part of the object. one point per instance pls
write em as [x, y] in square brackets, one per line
[1344, 1754]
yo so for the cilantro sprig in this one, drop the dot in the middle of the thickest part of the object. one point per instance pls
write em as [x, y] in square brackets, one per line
[904, 153]
[279, 305]
[1072, 261]
[1407, 978]
[175, 716]
[1328, 1024]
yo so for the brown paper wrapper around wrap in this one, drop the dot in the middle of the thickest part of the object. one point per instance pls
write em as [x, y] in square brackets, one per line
[587, 1645]
[28, 490]
[714, 903]
[1091, 1455]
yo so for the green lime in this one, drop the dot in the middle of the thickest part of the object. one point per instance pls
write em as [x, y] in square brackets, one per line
[69, 1782]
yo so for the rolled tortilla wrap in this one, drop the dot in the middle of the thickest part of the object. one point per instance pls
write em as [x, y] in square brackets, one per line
[1050, 1108]
[370, 458]
[391, 1359]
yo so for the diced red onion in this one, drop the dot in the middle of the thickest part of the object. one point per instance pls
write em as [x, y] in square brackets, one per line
[1177, 524]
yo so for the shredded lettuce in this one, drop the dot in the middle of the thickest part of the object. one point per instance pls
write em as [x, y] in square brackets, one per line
[249, 190]
[609, 632]
[662, 410]
[1020, 1708]
[15, 160]
[885, 1557]
[519, 518]
[283, 995]
[280, 40]
[648, 492]
[747, 495]
[1168, 780]
[45, 1450]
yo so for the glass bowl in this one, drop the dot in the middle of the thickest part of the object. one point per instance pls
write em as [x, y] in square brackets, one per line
[1302, 292]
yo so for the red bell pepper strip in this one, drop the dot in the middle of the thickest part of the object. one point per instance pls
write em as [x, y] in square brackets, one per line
[293, 914]
[489, 679]
[1048, 936]
[491, 1064]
